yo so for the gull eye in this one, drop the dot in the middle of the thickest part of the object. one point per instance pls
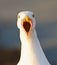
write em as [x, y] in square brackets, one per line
[18, 16]
[33, 15]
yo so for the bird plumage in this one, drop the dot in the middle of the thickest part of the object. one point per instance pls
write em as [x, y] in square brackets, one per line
[31, 51]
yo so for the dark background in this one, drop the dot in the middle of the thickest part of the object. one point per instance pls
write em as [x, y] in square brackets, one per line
[46, 16]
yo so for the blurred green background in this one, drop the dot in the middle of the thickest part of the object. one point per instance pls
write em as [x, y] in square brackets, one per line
[46, 16]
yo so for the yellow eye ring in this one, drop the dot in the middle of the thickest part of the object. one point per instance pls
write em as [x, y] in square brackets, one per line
[18, 16]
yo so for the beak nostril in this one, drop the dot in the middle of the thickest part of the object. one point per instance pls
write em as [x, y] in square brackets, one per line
[26, 26]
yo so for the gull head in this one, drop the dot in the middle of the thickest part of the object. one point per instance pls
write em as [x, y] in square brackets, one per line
[26, 21]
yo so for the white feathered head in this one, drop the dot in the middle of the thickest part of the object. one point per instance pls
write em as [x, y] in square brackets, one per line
[26, 20]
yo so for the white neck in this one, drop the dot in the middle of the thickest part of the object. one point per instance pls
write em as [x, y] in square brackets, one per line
[31, 51]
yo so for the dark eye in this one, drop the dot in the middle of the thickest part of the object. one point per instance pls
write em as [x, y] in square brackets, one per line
[33, 15]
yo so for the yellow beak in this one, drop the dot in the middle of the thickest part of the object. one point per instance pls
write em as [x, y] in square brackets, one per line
[27, 18]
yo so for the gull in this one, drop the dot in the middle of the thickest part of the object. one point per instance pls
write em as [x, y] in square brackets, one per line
[31, 50]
